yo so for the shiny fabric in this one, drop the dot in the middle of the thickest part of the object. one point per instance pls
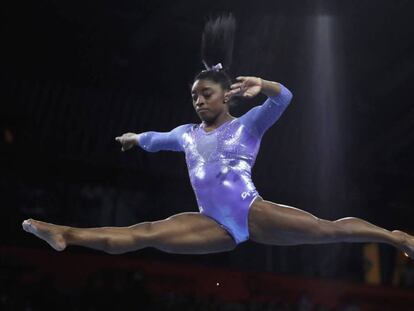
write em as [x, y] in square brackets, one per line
[220, 161]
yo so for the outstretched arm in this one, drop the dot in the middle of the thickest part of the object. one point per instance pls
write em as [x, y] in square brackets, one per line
[155, 141]
[261, 117]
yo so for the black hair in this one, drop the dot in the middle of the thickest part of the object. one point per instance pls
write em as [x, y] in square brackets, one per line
[217, 47]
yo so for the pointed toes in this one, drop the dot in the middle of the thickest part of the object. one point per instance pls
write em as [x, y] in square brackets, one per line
[28, 225]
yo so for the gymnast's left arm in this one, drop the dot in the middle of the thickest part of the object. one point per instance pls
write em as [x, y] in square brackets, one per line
[261, 117]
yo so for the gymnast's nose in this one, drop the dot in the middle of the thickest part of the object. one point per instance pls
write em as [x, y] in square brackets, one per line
[199, 101]
[199, 104]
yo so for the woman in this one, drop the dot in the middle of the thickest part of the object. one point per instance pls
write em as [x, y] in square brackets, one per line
[220, 152]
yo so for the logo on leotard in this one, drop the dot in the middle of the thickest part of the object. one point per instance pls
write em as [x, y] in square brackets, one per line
[245, 194]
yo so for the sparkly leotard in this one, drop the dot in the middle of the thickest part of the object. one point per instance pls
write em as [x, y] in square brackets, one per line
[220, 161]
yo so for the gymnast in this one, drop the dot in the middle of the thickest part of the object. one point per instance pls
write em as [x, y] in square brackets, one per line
[220, 153]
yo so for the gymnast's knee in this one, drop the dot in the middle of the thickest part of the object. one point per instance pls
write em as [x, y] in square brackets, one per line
[143, 231]
[329, 229]
[131, 238]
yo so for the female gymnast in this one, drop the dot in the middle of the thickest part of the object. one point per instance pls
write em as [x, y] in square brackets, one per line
[220, 153]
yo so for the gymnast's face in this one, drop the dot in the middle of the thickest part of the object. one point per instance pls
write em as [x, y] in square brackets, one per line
[209, 99]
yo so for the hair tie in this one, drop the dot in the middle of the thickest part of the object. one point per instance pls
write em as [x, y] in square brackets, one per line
[216, 67]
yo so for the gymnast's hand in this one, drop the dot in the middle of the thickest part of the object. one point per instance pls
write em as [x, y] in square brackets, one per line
[127, 140]
[246, 87]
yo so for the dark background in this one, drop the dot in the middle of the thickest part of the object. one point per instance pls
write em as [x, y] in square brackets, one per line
[76, 74]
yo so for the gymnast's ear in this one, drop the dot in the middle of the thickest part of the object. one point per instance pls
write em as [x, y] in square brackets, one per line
[227, 96]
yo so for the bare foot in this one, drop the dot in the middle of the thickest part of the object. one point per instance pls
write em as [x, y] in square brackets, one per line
[407, 244]
[52, 234]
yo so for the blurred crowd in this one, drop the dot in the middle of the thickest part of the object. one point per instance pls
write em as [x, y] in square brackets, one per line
[127, 290]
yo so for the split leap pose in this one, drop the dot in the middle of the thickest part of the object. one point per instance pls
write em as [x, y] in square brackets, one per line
[220, 153]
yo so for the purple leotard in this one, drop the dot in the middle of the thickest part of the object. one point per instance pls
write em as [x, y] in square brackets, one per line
[220, 161]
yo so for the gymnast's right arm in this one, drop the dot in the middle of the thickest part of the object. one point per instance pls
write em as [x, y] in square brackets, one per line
[155, 141]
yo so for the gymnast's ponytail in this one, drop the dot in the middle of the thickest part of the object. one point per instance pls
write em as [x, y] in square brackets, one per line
[217, 49]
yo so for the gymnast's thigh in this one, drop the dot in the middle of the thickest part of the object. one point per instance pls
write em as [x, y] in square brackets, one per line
[279, 224]
[190, 233]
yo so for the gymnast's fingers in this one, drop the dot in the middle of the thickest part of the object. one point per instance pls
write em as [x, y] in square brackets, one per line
[234, 92]
[236, 85]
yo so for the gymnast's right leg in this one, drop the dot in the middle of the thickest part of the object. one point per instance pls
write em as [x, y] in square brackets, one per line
[185, 233]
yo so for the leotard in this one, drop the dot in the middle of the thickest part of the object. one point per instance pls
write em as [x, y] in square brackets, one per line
[220, 161]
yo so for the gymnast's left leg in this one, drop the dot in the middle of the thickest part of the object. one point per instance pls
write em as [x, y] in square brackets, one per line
[278, 224]
[184, 233]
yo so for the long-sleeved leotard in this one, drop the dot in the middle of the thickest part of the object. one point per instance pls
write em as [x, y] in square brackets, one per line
[220, 161]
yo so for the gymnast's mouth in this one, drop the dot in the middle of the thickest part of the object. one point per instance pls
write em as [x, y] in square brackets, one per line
[202, 109]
